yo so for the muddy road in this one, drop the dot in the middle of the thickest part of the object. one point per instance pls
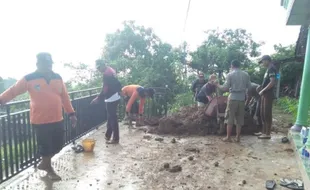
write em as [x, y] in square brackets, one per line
[144, 161]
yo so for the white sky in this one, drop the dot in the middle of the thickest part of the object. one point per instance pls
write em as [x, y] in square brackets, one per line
[74, 30]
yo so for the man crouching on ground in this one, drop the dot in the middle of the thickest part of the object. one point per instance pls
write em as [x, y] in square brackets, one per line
[237, 82]
[48, 95]
[206, 92]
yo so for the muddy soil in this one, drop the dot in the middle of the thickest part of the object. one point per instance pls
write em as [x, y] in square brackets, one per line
[149, 161]
[193, 121]
[282, 122]
[145, 161]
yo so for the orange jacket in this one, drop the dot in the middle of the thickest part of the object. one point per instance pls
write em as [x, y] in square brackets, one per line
[132, 92]
[47, 98]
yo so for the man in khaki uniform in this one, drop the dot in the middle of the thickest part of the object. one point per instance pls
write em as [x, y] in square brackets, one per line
[237, 83]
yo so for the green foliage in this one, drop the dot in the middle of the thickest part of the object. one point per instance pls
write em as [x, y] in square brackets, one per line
[291, 72]
[221, 47]
[256, 73]
[84, 77]
[140, 57]
[288, 105]
[181, 100]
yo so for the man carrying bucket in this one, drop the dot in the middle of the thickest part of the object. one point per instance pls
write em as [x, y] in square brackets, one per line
[111, 95]
[48, 95]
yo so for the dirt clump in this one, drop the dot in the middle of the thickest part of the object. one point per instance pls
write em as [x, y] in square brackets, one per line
[173, 140]
[166, 165]
[159, 139]
[175, 169]
[216, 164]
[189, 120]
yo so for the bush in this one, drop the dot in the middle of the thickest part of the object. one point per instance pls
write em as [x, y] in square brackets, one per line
[181, 100]
[290, 105]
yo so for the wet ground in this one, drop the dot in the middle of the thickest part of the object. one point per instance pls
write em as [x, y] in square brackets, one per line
[144, 162]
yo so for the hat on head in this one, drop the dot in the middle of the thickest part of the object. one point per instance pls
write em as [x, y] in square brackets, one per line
[44, 57]
[264, 58]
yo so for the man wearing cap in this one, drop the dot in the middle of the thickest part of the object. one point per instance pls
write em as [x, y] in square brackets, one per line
[111, 95]
[198, 84]
[237, 82]
[131, 94]
[48, 95]
[267, 93]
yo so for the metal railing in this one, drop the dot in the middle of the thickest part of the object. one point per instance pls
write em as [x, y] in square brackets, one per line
[18, 149]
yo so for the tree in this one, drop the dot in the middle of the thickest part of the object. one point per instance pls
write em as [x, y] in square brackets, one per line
[221, 47]
[291, 71]
[84, 77]
[140, 57]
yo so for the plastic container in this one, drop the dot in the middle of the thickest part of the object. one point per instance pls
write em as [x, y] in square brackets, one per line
[88, 145]
[304, 133]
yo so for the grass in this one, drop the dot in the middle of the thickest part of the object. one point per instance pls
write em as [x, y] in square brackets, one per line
[15, 153]
[290, 106]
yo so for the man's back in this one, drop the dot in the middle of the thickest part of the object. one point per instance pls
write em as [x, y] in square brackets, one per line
[239, 82]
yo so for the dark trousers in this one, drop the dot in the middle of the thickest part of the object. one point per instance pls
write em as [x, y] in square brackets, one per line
[112, 124]
[266, 112]
[134, 107]
[50, 138]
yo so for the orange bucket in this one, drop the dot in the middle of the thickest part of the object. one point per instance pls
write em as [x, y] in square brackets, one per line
[88, 145]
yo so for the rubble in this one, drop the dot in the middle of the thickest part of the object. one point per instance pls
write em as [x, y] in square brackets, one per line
[193, 121]
[175, 169]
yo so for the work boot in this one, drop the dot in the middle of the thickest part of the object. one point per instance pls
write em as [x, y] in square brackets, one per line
[107, 139]
[113, 142]
[45, 164]
[51, 174]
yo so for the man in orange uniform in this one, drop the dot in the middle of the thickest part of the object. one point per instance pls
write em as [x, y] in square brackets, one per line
[134, 92]
[48, 95]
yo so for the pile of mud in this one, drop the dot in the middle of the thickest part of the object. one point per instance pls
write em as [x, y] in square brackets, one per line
[189, 120]
[193, 121]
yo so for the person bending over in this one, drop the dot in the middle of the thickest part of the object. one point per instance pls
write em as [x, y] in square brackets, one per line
[133, 93]
[206, 92]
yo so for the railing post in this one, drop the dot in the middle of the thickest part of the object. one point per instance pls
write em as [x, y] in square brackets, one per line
[8, 113]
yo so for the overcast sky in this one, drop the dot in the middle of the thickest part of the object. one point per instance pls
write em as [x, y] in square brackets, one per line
[74, 30]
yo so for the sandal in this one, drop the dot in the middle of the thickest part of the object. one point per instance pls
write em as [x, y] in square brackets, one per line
[292, 184]
[113, 142]
[258, 134]
[270, 184]
[285, 140]
[226, 139]
[264, 137]
[78, 149]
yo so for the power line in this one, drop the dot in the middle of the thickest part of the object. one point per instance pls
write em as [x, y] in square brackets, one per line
[188, 7]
